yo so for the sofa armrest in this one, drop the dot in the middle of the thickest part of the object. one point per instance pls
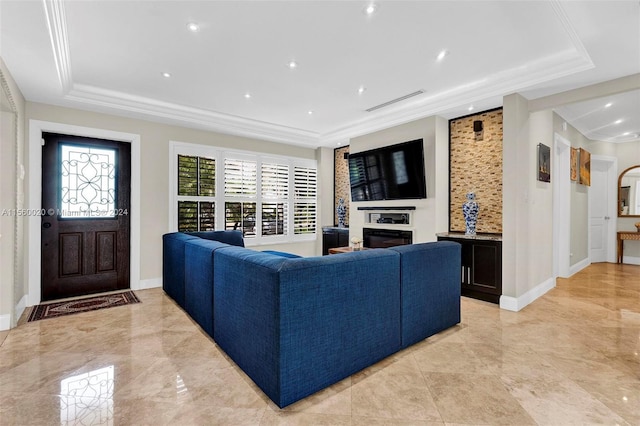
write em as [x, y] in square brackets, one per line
[198, 281]
[173, 265]
[430, 277]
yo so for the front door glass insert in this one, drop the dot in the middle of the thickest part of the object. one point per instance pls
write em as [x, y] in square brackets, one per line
[88, 182]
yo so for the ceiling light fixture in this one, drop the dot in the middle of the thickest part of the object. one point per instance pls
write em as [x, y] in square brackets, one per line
[166, 75]
[442, 55]
[361, 90]
[310, 112]
[370, 9]
[247, 95]
[608, 105]
[617, 121]
[293, 64]
[470, 108]
[193, 27]
[626, 133]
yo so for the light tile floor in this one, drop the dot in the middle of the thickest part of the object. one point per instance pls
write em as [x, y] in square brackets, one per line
[572, 357]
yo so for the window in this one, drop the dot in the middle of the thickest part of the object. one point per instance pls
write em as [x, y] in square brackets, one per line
[196, 193]
[304, 205]
[270, 199]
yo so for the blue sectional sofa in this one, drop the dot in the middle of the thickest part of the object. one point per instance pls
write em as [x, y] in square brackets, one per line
[297, 325]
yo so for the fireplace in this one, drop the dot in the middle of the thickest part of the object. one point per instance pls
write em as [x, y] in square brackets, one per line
[383, 238]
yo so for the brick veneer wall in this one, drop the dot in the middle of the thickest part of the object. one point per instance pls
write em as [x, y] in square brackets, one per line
[476, 165]
[341, 181]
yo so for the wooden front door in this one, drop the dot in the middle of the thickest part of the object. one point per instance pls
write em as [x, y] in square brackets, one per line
[85, 223]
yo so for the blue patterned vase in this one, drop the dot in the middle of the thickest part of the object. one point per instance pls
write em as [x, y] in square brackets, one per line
[470, 211]
[341, 211]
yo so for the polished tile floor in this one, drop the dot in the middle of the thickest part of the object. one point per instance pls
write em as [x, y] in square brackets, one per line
[572, 357]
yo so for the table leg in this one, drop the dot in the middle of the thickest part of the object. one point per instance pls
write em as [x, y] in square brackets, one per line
[620, 249]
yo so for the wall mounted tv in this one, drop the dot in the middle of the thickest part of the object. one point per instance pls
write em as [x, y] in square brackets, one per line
[394, 172]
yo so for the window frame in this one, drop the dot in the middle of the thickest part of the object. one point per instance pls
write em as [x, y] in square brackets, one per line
[220, 199]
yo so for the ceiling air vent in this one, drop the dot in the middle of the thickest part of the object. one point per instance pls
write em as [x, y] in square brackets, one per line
[393, 101]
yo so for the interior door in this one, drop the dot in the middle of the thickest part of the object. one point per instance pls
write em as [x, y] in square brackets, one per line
[85, 223]
[599, 199]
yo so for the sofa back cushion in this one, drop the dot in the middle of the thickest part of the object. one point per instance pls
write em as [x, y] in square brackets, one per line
[233, 238]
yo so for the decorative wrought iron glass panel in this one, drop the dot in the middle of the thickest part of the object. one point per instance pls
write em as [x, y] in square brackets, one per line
[88, 182]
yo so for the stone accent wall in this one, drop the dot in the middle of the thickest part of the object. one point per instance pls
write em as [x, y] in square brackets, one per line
[476, 165]
[342, 189]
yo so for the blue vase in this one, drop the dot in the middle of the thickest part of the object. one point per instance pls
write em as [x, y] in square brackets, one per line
[470, 210]
[341, 211]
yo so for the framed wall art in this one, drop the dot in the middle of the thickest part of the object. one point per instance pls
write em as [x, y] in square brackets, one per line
[544, 163]
[574, 164]
[585, 167]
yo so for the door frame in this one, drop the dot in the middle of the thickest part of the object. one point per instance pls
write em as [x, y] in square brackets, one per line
[561, 207]
[33, 260]
[612, 211]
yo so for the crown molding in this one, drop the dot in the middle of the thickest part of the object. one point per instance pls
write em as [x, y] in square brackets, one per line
[495, 86]
[170, 113]
[57, 24]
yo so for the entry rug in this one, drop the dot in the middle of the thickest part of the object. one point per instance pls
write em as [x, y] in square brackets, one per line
[58, 309]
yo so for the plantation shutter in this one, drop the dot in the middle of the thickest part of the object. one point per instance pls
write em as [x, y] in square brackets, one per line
[240, 178]
[275, 181]
[304, 206]
[196, 188]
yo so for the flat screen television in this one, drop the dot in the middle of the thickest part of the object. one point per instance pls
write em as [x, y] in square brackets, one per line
[394, 172]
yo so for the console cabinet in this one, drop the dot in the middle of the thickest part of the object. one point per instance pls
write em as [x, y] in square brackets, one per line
[333, 237]
[481, 274]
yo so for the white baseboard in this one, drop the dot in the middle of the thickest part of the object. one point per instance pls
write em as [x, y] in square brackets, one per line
[517, 303]
[574, 269]
[5, 322]
[631, 260]
[145, 284]
[21, 306]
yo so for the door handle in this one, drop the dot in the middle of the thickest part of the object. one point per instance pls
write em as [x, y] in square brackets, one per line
[46, 225]
[607, 218]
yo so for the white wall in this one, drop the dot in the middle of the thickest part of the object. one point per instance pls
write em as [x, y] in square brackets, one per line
[12, 284]
[155, 139]
[541, 198]
[579, 197]
[431, 214]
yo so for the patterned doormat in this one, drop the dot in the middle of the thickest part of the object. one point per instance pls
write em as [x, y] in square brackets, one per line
[58, 309]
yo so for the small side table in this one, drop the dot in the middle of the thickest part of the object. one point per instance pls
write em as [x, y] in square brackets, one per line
[337, 250]
[625, 235]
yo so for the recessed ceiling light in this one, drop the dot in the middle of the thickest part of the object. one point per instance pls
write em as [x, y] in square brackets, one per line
[361, 90]
[292, 64]
[310, 112]
[247, 95]
[166, 75]
[470, 108]
[617, 121]
[371, 9]
[608, 105]
[442, 54]
[193, 27]
[626, 133]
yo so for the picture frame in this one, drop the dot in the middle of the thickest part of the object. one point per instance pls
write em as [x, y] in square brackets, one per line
[544, 163]
[574, 164]
[585, 167]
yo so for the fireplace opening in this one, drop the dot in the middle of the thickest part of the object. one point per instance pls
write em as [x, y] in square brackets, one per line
[383, 238]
